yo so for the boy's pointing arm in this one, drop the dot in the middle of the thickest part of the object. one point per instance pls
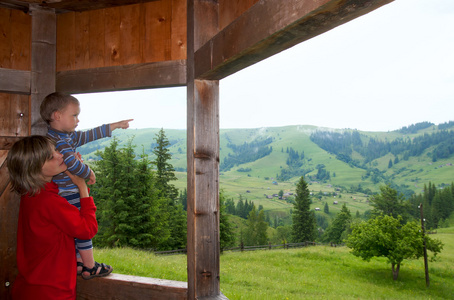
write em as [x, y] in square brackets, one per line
[120, 124]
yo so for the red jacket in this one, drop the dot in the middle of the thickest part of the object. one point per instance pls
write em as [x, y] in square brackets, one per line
[46, 256]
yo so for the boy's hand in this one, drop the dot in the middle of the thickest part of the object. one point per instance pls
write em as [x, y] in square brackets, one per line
[92, 179]
[120, 124]
[79, 157]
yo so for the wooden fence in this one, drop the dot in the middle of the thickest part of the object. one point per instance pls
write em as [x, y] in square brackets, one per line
[253, 248]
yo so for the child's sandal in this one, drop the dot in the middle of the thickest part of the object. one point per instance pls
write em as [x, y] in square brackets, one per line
[81, 265]
[104, 271]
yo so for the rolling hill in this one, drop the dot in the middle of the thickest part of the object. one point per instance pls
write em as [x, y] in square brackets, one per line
[341, 165]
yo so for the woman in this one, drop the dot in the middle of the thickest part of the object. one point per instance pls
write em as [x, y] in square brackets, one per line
[47, 224]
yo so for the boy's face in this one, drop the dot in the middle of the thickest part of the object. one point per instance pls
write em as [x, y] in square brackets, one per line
[67, 119]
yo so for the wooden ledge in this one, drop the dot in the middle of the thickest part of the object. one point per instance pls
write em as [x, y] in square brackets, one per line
[127, 287]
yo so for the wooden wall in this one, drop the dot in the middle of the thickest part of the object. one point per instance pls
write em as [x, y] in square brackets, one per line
[15, 39]
[15, 55]
[134, 34]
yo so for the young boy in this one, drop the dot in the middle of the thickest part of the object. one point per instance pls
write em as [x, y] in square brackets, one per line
[61, 112]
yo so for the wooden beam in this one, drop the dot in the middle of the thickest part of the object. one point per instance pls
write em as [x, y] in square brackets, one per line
[14, 81]
[117, 286]
[271, 26]
[6, 142]
[203, 161]
[44, 36]
[129, 77]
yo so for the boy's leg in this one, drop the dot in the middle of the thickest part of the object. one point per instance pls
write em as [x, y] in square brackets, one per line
[87, 258]
[91, 268]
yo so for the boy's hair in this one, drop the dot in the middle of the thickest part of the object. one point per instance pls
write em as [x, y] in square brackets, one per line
[55, 102]
[25, 161]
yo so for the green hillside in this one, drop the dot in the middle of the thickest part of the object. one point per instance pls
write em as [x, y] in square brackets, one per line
[351, 174]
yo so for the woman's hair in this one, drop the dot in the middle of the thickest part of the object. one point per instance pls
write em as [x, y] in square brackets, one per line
[25, 161]
[55, 102]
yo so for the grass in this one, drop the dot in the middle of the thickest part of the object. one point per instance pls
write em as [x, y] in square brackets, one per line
[307, 273]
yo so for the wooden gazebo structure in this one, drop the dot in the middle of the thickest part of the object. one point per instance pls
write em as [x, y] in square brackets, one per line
[86, 46]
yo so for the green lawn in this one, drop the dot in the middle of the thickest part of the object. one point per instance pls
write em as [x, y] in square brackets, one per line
[318, 272]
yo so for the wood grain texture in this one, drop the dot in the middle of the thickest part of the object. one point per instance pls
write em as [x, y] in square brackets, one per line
[20, 40]
[9, 212]
[14, 119]
[118, 286]
[249, 39]
[141, 33]
[15, 81]
[137, 76]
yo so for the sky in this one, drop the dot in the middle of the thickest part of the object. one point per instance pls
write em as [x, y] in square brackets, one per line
[390, 68]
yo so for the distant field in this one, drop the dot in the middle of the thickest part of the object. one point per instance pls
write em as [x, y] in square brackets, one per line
[319, 272]
[257, 182]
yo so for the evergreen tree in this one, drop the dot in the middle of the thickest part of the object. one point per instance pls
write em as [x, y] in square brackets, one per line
[153, 218]
[106, 191]
[390, 164]
[165, 173]
[226, 234]
[250, 234]
[389, 202]
[240, 211]
[262, 226]
[326, 208]
[230, 206]
[335, 232]
[256, 228]
[184, 199]
[124, 192]
[396, 160]
[304, 223]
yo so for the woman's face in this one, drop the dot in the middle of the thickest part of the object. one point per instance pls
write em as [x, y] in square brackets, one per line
[53, 166]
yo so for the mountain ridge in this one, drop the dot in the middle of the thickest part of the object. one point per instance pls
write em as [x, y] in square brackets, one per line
[254, 177]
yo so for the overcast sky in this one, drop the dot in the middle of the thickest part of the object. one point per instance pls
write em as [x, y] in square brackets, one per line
[390, 68]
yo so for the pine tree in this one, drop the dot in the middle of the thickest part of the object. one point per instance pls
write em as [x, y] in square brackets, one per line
[124, 198]
[304, 223]
[240, 210]
[390, 202]
[335, 232]
[153, 227]
[106, 191]
[326, 208]
[165, 173]
[226, 234]
[256, 229]
[184, 199]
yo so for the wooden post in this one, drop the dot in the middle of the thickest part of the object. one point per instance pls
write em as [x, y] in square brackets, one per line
[44, 37]
[203, 161]
[426, 266]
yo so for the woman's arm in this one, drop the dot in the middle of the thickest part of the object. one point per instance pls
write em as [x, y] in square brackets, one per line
[81, 184]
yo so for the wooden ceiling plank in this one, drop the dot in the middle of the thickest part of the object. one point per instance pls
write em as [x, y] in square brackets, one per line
[64, 6]
[271, 26]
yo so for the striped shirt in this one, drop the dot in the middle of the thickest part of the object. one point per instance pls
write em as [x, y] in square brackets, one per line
[66, 144]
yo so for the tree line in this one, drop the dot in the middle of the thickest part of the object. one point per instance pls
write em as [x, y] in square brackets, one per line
[138, 206]
[247, 152]
[390, 231]
[342, 144]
